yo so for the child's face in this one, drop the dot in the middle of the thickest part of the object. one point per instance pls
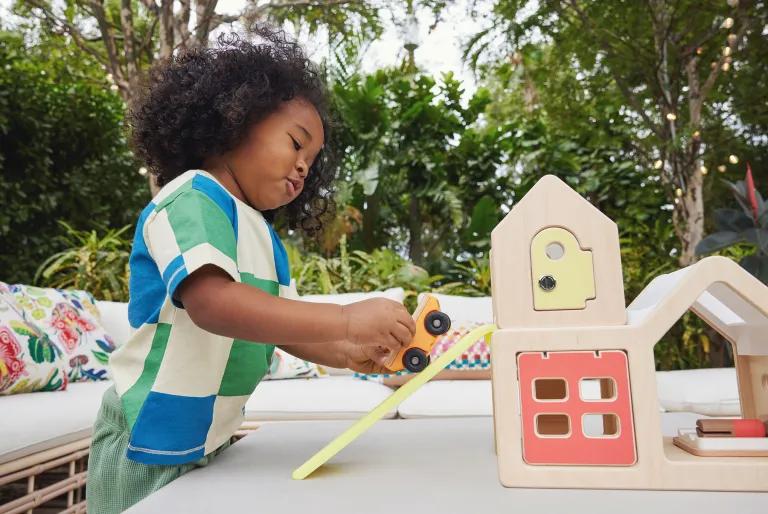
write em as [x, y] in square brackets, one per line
[273, 160]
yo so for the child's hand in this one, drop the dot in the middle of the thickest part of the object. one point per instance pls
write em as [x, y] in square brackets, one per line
[365, 359]
[379, 323]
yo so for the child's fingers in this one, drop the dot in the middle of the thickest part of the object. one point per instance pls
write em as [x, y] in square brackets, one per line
[407, 320]
[402, 334]
[393, 343]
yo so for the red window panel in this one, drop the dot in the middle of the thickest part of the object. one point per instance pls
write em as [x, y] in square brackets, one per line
[554, 412]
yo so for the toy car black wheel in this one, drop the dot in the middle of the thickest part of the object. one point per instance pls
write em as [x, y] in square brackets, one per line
[437, 323]
[415, 360]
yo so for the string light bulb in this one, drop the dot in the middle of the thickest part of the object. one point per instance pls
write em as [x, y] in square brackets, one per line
[733, 159]
[658, 164]
[703, 169]
[671, 116]
[721, 168]
[733, 3]
[732, 39]
[142, 171]
[728, 23]
[696, 135]
[726, 66]
[727, 51]
[679, 192]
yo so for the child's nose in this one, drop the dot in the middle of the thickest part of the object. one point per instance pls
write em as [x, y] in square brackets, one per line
[302, 167]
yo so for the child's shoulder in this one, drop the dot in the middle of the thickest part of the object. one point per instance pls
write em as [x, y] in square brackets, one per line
[181, 186]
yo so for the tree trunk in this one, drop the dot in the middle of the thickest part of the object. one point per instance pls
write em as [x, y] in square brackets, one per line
[688, 214]
[166, 29]
[370, 220]
[415, 245]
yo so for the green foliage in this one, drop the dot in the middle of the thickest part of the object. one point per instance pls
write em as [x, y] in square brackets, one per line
[746, 226]
[349, 25]
[417, 165]
[97, 263]
[354, 271]
[557, 127]
[63, 152]
[469, 278]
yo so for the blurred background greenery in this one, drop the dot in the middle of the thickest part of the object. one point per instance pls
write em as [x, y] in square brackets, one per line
[648, 109]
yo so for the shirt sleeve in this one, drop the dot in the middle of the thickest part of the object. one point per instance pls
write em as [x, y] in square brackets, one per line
[188, 233]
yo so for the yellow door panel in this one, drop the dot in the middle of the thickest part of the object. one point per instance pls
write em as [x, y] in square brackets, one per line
[563, 277]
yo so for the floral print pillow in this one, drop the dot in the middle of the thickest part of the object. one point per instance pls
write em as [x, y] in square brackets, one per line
[72, 321]
[284, 365]
[29, 359]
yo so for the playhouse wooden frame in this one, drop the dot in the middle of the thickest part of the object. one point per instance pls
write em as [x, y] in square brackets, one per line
[717, 289]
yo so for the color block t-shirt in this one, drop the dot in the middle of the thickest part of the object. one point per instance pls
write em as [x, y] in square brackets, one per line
[183, 390]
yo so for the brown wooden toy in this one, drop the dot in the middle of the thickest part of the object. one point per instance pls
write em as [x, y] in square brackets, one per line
[574, 383]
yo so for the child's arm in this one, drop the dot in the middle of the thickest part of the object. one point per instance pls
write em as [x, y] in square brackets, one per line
[343, 354]
[326, 354]
[220, 305]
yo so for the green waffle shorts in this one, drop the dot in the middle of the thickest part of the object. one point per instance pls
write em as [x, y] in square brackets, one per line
[114, 482]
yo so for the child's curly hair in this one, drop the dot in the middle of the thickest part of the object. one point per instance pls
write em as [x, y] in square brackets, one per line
[203, 102]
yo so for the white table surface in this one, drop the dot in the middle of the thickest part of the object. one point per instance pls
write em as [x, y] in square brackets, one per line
[425, 465]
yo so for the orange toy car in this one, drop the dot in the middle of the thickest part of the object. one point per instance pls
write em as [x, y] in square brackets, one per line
[430, 323]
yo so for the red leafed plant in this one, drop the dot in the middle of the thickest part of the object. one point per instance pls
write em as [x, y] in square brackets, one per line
[748, 225]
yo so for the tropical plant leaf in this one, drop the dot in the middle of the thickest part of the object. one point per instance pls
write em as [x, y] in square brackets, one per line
[732, 220]
[758, 237]
[485, 216]
[717, 241]
[757, 265]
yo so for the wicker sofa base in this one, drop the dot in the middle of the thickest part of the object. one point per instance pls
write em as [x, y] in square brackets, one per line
[54, 480]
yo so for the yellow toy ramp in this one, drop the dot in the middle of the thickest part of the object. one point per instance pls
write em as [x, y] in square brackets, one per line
[391, 402]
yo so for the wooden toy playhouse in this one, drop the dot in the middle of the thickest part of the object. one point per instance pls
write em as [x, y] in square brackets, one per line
[574, 385]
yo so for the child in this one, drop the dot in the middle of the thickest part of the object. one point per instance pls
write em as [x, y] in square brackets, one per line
[235, 135]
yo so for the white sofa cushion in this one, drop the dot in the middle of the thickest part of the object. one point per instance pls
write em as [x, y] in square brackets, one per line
[36, 422]
[334, 397]
[394, 293]
[442, 398]
[114, 319]
[465, 308]
[713, 391]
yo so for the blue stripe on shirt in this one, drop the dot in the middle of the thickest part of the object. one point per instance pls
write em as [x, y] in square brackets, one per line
[147, 289]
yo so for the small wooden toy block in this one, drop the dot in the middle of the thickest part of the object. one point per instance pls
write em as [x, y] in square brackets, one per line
[562, 325]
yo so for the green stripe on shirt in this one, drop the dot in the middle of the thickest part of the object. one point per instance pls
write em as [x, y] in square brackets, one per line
[196, 219]
[134, 397]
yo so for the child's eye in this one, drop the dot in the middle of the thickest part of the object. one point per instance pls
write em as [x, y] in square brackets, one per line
[296, 144]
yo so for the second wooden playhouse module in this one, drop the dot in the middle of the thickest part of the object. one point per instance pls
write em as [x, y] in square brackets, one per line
[574, 385]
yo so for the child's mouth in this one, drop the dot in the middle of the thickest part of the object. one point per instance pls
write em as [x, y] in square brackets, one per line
[293, 186]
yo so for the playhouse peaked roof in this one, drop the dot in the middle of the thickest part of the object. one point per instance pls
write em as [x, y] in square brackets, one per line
[548, 192]
[718, 290]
